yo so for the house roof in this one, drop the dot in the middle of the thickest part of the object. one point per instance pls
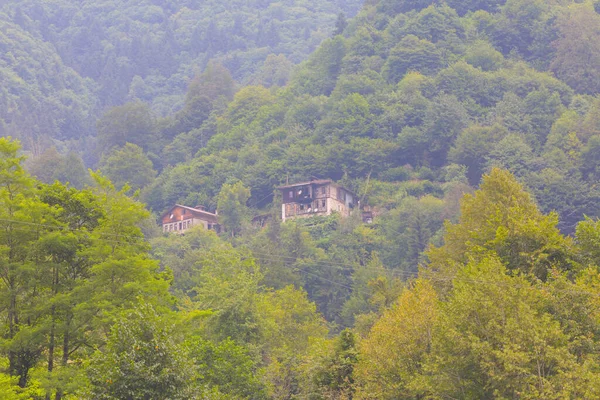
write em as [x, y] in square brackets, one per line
[314, 182]
[196, 211]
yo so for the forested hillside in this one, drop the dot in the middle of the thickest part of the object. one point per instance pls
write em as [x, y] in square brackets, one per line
[65, 62]
[506, 307]
[471, 129]
[412, 92]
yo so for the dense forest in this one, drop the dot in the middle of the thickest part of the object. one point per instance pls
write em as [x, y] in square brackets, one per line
[64, 62]
[470, 128]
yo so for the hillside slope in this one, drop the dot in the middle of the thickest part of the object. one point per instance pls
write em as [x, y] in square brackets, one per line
[40, 97]
[418, 91]
[149, 49]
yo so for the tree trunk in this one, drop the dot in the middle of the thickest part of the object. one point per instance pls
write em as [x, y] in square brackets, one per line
[65, 352]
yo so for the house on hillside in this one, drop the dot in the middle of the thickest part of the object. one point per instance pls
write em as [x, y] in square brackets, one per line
[316, 197]
[181, 218]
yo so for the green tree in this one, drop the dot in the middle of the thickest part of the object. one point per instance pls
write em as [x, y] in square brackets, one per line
[329, 374]
[445, 118]
[588, 240]
[45, 166]
[228, 367]
[128, 165]
[51, 166]
[143, 359]
[232, 207]
[411, 226]
[501, 217]
[472, 148]
[412, 54]
[123, 269]
[513, 154]
[290, 323]
[526, 27]
[214, 82]
[483, 55]
[590, 161]
[340, 24]
[577, 49]
[318, 76]
[436, 23]
[543, 107]
[62, 254]
[498, 340]
[392, 7]
[23, 217]
[463, 7]
[246, 103]
[276, 71]
[390, 357]
[129, 123]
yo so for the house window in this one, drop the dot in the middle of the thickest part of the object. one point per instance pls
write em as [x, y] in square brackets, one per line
[301, 207]
[180, 226]
[324, 203]
[183, 212]
[323, 190]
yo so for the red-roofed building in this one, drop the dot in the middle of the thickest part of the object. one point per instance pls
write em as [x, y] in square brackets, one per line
[181, 218]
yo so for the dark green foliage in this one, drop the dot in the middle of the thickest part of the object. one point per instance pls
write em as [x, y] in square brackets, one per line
[41, 97]
[321, 71]
[577, 51]
[128, 165]
[340, 24]
[464, 6]
[336, 377]
[412, 54]
[52, 166]
[142, 359]
[432, 84]
[64, 64]
[131, 123]
[227, 366]
[391, 7]
[407, 105]
[472, 147]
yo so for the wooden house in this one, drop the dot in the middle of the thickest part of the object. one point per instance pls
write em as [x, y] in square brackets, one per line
[181, 218]
[316, 197]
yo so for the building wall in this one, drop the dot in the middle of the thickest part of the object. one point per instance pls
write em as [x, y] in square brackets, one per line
[178, 226]
[182, 226]
[326, 199]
